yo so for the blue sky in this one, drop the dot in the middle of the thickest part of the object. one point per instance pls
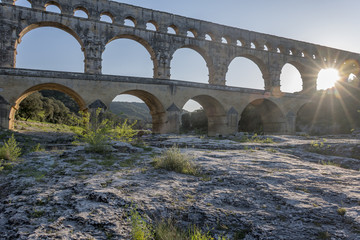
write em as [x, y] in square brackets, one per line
[331, 23]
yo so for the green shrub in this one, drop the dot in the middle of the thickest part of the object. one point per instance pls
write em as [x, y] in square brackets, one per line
[9, 152]
[256, 139]
[167, 230]
[173, 160]
[98, 133]
[341, 211]
[140, 229]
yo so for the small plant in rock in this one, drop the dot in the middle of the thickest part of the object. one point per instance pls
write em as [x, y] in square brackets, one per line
[140, 229]
[341, 211]
[9, 152]
[256, 139]
[98, 133]
[318, 146]
[173, 160]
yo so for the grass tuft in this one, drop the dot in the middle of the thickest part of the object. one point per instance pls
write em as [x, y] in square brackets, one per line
[173, 160]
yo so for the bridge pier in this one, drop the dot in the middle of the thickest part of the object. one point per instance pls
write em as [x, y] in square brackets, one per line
[4, 113]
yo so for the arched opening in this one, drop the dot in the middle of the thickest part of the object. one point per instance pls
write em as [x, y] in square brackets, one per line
[152, 26]
[130, 21]
[53, 6]
[327, 78]
[133, 109]
[49, 102]
[190, 34]
[106, 17]
[224, 40]
[23, 3]
[240, 43]
[172, 30]
[49, 48]
[189, 65]
[252, 45]
[290, 79]
[203, 114]
[127, 56]
[262, 116]
[81, 12]
[140, 106]
[243, 72]
[208, 37]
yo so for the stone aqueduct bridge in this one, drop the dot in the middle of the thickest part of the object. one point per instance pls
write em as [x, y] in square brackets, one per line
[164, 97]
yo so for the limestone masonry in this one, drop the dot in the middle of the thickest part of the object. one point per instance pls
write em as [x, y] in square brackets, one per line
[164, 97]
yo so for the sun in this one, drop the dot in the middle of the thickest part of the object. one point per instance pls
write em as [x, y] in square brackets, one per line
[327, 78]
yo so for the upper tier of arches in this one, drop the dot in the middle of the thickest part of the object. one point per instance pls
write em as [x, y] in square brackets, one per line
[217, 44]
[118, 13]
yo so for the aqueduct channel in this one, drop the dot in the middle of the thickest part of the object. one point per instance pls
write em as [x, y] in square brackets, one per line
[165, 97]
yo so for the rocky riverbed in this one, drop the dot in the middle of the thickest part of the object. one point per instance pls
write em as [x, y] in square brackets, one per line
[292, 188]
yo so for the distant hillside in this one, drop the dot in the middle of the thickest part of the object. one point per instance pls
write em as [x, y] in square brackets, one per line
[131, 110]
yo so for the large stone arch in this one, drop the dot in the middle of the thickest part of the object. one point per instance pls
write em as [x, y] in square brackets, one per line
[273, 120]
[215, 113]
[157, 109]
[299, 67]
[60, 26]
[45, 86]
[143, 42]
[200, 51]
[259, 62]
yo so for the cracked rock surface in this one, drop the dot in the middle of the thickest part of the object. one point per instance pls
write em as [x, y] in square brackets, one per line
[277, 190]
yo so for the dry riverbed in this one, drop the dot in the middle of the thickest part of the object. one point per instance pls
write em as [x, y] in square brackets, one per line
[289, 189]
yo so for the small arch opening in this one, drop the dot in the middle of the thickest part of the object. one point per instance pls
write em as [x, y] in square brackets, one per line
[151, 26]
[208, 37]
[172, 30]
[81, 13]
[252, 45]
[53, 7]
[130, 22]
[106, 17]
[23, 3]
[191, 34]
[239, 43]
[278, 50]
[224, 40]
[266, 48]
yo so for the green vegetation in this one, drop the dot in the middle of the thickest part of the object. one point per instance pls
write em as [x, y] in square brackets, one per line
[140, 229]
[165, 230]
[341, 211]
[98, 132]
[133, 111]
[324, 235]
[44, 109]
[173, 160]
[255, 139]
[196, 121]
[9, 152]
[318, 146]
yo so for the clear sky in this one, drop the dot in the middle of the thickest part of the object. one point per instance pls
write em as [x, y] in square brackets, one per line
[330, 23]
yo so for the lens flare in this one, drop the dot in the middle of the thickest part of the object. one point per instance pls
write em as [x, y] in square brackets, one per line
[327, 78]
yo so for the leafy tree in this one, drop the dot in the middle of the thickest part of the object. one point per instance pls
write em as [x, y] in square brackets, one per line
[31, 106]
